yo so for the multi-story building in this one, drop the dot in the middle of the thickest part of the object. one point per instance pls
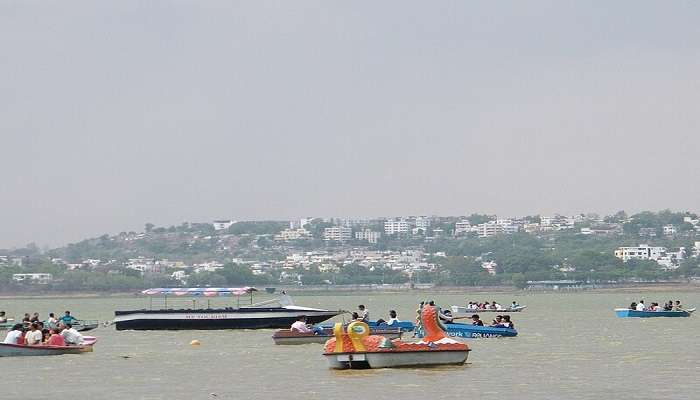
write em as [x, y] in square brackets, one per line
[502, 227]
[41, 279]
[299, 223]
[368, 235]
[337, 233]
[422, 223]
[292, 234]
[641, 252]
[394, 226]
[670, 230]
[462, 227]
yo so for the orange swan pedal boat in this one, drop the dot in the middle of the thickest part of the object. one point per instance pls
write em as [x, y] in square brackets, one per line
[354, 347]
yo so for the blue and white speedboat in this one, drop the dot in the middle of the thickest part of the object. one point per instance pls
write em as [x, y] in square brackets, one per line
[627, 313]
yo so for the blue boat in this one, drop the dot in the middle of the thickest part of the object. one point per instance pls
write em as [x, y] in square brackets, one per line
[403, 326]
[627, 313]
[477, 331]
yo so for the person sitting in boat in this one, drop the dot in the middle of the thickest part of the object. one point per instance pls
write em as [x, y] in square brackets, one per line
[34, 336]
[52, 322]
[300, 325]
[34, 318]
[71, 336]
[514, 305]
[633, 306]
[446, 317]
[3, 318]
[67, 318]
[677, 306]
[641, 306]
[363, 312]
[15, 335]
[392, 319]
[476, 320]
[498, 321]
[27, 319]
[507, 322]
[668, 306]
[55, 338]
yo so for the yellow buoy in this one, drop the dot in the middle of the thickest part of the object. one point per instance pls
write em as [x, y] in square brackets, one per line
[195, 342]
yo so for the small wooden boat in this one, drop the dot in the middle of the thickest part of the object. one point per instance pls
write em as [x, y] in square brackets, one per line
[14, 350]
[354, 347]
[627, 313]
[459, 311]
[287, 336]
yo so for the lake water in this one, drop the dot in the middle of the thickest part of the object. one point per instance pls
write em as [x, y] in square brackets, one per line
[570, 346]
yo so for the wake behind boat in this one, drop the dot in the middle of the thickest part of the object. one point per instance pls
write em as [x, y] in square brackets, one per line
[241, 317]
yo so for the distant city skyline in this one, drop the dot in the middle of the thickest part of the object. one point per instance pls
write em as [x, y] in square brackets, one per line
[117, 114]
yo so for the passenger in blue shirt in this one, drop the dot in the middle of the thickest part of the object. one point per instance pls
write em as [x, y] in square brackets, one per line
[67, 318]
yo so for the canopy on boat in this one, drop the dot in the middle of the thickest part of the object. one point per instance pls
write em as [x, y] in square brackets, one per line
[208, 292]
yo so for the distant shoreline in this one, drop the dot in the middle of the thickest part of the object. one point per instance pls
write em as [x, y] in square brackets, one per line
[350, 290]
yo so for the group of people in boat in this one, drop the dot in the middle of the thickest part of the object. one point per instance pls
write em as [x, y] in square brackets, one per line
[32, 331]
[670, 306]
[473, 305]
[501, 321]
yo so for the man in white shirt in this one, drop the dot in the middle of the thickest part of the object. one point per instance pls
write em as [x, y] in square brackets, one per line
[363, 312]
[300, 326]
[14, 335]
[640, 306]
[34, 336]
[71, 336]
[392, 318]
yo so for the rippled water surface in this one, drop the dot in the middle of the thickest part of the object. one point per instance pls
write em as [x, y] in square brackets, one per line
[570, 346]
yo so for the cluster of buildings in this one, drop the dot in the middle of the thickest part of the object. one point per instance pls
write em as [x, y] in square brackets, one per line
[665, 258]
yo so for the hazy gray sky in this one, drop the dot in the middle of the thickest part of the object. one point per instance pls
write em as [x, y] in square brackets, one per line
[113, 114]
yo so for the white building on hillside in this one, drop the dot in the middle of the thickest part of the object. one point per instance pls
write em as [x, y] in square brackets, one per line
[670, 230]
[41, 279]
[368, 235]
[463, 226]
[641, 252]
[292, 234]
[394, 226]
[337, 233]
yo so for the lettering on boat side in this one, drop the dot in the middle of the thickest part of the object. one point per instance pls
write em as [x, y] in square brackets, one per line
[206, 316]
[473, 334]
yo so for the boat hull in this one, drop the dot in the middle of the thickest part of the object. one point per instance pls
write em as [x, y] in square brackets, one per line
[13, 350]
[475, 331]
[627, 313]
[396, 359]
[287, 337]
[213, 319]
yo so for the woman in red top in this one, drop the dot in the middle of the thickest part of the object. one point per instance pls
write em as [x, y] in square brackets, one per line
[55, 339]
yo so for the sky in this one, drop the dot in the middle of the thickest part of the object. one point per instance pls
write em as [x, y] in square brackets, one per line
[114, 114]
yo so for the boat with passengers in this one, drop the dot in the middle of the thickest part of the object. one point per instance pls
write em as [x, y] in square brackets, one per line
[20, 350]
[276, 313]
[628, 313]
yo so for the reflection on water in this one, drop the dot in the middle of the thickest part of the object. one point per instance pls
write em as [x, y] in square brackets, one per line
[570, 346]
